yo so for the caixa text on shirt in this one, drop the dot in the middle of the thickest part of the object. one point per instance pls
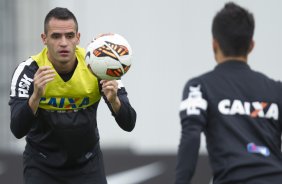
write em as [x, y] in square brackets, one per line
[195, 102]
[65, 103]
[253, 109]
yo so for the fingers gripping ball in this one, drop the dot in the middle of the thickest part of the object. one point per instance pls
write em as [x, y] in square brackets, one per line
[109, 56]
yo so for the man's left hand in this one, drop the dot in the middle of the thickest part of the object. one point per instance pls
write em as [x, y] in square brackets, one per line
[110, 88]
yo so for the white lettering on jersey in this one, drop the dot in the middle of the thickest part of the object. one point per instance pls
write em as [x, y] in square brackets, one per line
[273, 112]
[194, 102]
[24, 85]
[258, 109]
[253, 109]
[224, 106]
[237, 108]
[17, 73]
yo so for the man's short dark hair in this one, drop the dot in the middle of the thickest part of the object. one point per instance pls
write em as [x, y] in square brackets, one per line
[61, 14]
[233, 28]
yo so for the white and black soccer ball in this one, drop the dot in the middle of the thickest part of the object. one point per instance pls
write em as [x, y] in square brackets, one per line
[109, 56]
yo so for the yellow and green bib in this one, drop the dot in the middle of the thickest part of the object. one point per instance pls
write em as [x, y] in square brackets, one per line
[79, 92]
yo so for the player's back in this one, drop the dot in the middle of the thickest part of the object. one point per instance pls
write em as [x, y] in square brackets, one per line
[244, 127]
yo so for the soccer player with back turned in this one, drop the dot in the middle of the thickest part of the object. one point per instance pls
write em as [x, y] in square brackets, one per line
[237, 108]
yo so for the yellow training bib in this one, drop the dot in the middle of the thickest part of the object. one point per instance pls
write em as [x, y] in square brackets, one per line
[80, 91]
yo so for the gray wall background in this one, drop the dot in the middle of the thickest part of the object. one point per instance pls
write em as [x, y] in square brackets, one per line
[171, 41]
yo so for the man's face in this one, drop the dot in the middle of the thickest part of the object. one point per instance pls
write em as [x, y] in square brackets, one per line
[61, 40]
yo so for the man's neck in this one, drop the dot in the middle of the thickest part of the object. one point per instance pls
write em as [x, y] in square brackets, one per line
[222, 59]
[65, 67]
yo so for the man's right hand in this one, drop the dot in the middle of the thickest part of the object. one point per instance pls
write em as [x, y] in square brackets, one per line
[42, 76]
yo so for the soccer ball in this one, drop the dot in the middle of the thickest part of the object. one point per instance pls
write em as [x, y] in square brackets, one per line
[109, 56]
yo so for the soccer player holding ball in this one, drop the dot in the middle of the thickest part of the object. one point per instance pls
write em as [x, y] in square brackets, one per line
[54, 99]
[237, 108]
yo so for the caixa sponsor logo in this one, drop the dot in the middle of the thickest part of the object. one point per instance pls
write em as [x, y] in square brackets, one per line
[253, 109]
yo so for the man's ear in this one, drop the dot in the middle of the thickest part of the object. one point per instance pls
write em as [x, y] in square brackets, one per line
[252, 45]
[218, 55]
[43, 38]
[215, 45]
[78, 37]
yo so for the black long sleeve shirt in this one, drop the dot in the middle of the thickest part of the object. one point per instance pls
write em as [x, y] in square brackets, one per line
[239, 110]
[59, 139]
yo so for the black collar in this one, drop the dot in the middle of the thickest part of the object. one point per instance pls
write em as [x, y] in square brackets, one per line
[232, 65]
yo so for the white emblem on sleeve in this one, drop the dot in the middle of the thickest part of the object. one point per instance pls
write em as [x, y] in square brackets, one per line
[24, 85]
[17, 75]
[194, 102]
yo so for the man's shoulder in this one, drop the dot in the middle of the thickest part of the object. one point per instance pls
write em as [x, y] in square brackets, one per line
[27, 64]
[265, 78]
[22, 78]
[201, 78]
[198, 83]
[27, 67]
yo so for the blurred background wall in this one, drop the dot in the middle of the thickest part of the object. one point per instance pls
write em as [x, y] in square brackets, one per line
[171, 41]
